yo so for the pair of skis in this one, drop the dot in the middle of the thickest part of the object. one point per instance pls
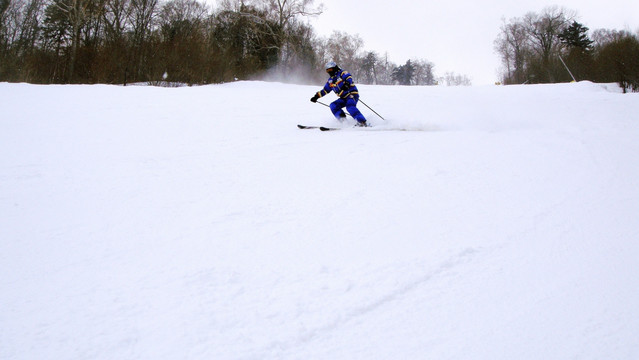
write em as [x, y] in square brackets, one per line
[323, 128]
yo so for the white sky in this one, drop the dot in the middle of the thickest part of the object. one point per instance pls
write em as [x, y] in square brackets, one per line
[455, 35]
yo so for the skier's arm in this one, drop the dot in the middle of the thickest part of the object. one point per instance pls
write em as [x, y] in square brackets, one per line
[326, 90]
[345, 83]
[321, 93]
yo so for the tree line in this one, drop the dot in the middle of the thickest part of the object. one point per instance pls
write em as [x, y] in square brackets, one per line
[181, 41]
[552, 46]
[186, 41]
[120, 41]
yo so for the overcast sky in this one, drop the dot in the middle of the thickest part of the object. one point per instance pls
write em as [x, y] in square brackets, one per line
[456, 35]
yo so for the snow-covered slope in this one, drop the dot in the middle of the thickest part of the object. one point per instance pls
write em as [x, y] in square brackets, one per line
[200, 223]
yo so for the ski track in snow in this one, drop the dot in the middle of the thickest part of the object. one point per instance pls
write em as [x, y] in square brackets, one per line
[370, 305]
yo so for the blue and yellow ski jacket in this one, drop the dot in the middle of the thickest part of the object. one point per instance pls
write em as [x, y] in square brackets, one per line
[342, 84]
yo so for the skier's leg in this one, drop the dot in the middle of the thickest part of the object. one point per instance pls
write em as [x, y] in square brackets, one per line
[351, 106]
[336, 108]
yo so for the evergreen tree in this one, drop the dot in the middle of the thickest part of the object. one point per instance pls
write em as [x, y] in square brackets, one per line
[369, 64]
[404, 74]
[576, 36]
[580, 50]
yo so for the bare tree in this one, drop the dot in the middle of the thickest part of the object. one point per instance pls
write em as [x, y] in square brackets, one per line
[452, 79]
[182, 47]
[10, 23]
[142, 18]
[76, 13]
[385, 69]
[292, 35]
[512, 46]
[288, 10]
[424, 72]
[543, 30]
[116, 19]
[9, 29]
[345, 49]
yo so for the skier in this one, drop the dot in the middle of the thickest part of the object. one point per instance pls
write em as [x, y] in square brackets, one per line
[341, 82]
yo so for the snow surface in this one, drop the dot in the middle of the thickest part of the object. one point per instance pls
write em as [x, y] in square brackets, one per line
[200, 223]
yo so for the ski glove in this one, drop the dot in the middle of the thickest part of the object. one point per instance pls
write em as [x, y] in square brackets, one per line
[314, 98]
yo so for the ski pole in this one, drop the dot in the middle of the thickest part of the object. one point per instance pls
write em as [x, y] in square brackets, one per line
[380, 116]
[321, 103]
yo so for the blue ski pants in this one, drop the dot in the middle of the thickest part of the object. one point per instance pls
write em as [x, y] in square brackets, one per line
[350, 104]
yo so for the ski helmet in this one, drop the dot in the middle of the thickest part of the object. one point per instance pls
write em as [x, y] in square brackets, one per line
[332, 68]
[330, 65]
